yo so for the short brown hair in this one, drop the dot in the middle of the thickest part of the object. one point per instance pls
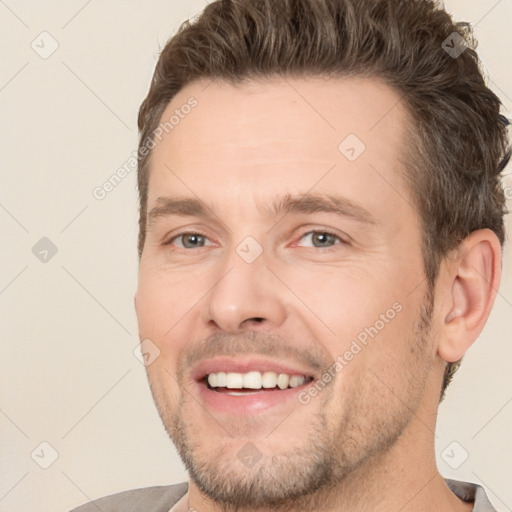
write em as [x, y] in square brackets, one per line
[458, 141]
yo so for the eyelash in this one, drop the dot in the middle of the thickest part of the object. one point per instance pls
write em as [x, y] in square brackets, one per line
[313, 231]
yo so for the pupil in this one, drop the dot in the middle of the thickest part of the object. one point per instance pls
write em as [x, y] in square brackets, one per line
[192, 240]
[322, 238]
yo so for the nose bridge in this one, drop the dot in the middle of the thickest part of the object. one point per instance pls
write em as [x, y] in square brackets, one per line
[244, 292]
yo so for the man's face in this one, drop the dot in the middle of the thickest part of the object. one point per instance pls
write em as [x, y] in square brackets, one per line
[273, 253]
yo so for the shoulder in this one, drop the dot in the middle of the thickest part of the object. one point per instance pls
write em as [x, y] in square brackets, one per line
[147, 499]
[471, 493]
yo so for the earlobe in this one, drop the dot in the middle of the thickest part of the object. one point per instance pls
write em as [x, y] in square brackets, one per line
[471, 286]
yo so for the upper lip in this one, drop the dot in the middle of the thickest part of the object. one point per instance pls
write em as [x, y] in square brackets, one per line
[247, 364]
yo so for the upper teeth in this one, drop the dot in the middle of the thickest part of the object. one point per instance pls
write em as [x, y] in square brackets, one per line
[254, 380]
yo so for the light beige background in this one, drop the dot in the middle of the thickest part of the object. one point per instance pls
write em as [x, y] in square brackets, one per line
[68, 375]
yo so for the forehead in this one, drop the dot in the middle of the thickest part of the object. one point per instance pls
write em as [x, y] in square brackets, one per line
[287, 134]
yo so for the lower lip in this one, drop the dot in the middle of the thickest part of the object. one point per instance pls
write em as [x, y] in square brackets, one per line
[249, 403]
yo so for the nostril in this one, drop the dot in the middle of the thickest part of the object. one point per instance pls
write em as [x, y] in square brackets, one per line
[253, 322]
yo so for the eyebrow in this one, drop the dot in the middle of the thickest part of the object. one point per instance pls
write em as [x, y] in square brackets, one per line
[182, 206]
[289, 204]
[320, 203]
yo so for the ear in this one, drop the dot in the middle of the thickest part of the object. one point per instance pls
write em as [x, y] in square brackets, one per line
[468, 287]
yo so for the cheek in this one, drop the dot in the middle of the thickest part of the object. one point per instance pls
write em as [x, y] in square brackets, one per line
[396, 354]
[364, 321]
[164, 298]
[344, 299]
[163, 310]
[159, 307]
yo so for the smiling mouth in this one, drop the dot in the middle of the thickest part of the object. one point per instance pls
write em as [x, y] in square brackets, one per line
[241, 384]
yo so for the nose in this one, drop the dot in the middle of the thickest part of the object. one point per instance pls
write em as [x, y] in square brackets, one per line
[244, 296]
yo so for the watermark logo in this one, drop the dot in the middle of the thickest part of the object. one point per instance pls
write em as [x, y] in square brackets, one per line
[455, 455]
[454, 45]
[146, 352]
[44, 250]
[44, 45]
[351, 147]
[249, 455]
[44, 455]
[249, 249]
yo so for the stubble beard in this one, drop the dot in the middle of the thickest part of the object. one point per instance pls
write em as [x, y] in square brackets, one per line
[305, 476]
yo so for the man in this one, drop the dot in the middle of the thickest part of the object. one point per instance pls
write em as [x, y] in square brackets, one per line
[321, 222]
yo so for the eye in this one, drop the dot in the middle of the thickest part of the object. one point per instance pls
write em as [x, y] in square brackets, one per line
[321, 239]
[189, 241]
